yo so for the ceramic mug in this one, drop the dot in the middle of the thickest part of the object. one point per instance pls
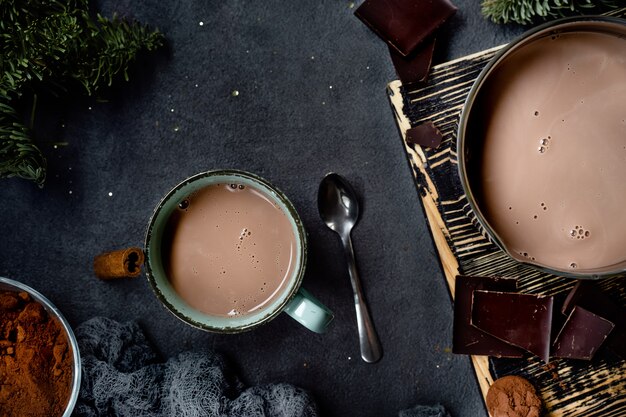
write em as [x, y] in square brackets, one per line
[295, 301]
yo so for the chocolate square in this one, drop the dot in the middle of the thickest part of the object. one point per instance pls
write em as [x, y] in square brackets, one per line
[414, 68]
[587, 295]
[426, 135]
[582, 335]
[404, 24]
[467, 339]
[523, 320]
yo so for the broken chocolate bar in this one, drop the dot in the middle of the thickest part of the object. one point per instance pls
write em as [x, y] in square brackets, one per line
[587, 295]
[523, 320]
[404, 24]
[582, 335]
[415, 67]
[426, 135]
[467, 339]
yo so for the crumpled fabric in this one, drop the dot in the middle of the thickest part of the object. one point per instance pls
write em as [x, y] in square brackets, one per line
[123, 377]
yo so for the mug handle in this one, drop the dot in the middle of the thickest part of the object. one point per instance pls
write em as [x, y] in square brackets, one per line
[309, 312]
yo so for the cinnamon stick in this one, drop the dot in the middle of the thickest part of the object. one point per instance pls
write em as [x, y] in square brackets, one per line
[123, 263]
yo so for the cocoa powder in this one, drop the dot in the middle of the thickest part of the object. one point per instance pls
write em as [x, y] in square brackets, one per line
[35, 359]
[513, 396]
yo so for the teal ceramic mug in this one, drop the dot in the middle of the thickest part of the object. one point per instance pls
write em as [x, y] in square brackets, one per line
[293, 300]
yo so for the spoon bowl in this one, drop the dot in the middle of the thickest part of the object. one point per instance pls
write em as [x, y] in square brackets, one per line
[337, 203]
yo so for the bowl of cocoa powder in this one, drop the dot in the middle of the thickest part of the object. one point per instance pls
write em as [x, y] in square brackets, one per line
[39, 358]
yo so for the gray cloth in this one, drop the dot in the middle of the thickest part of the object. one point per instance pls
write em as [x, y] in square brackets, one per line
[425, 411]
[122, 376]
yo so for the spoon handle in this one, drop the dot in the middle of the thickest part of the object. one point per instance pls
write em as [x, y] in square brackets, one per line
[371, 350]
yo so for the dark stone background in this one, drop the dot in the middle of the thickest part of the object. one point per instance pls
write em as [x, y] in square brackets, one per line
[177, 117]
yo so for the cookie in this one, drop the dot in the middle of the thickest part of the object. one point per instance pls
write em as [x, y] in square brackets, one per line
[513, 396]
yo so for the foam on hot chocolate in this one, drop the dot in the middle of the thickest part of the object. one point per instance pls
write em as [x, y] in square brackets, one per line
[230, 250]
[553, 164]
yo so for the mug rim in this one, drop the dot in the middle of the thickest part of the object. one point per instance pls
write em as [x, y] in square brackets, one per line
[556, 27]
[294, 282]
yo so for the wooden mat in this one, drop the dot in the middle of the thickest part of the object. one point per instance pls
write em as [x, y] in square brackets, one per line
[569, 388]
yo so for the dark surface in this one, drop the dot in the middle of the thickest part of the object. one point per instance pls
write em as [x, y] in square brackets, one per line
[178, 117]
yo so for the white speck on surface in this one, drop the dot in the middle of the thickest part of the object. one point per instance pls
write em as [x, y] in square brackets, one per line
[55, 146]
[437, 366]
[235, 93]
[312, 57]
[323, 103]
[176, 128]
[196, 85]
[110, 194]
[368, 67]
[349, 358]
[62, 124]
[330, 86]
[89, 108]
[70, 191]
[172, 110]
[201, 23]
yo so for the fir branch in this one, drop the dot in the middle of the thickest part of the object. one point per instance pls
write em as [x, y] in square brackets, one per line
[528, 11]
[19, 157]
[51, 43]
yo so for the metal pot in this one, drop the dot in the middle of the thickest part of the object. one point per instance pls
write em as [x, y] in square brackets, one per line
[469, 143]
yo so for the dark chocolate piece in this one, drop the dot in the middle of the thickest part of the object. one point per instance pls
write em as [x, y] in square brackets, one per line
[414, 68]
[582, 335]
[467, 339]
[587, 295]
[523, 320]
[426, 135]
[404, 24]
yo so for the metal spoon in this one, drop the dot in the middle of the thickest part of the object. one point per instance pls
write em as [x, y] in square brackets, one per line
[339, 209]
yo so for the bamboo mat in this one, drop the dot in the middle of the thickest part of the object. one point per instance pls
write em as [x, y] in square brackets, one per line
[569, 388]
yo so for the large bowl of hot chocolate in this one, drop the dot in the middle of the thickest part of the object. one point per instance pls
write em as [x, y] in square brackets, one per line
[542, 147]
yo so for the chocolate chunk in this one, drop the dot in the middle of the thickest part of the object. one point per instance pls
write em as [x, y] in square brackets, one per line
[513, 396]
[582, 335]
[467, 339]
[414, 68]
[523, 320]
[404, 24]
[426, 135]
[587, 295]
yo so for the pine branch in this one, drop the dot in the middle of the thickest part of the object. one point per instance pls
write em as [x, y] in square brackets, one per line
[529, 11]
[19, 157]
[52, 43]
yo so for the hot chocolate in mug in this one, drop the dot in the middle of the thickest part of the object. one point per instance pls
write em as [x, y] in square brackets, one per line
[226, 252]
